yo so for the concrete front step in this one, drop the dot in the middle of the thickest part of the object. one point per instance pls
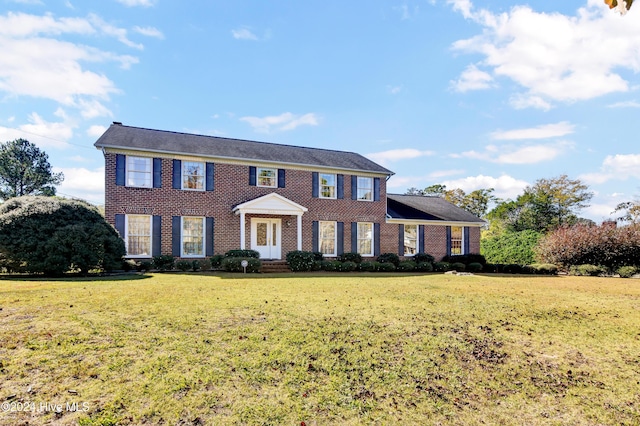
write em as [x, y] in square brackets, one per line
[269, 266]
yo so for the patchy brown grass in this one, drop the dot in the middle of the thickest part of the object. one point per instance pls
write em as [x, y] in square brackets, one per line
[195, 349]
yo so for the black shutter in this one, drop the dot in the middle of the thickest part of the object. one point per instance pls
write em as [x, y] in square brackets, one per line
[121, 161]
[376, 189]
[175, 235]
[209, 236]
[315, 183]
[400, 240]
[177, 174]
[315, 236]
[157, 172]
[376, 239]
[281, 181]
[340, 189]
[156, 236]
[466, 240]
[120, 225]
[210, 171]
[354, 187]
[354, 237]
[420, 238]
[252, 176]
[340, 238]
[448, 230]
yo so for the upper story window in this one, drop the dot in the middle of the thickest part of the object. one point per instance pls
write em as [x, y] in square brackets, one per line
[267, 177]
[456, 240]
[410, 240]
[139, 172]
[138, 235]
[327, 183]
[193, 175]
[365, 188]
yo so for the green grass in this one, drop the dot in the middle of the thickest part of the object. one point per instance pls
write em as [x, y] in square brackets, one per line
[189, 349]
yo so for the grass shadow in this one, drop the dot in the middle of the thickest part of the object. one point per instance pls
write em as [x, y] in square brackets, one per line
[76, 278]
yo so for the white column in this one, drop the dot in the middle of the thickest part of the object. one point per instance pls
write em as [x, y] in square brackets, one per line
[299, 232]
[242, 231]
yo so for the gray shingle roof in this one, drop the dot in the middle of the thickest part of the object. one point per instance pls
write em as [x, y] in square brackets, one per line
[136, 138]
[427, 208]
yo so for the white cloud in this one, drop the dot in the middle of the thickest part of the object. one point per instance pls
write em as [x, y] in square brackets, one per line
[472, 79]
[119, 33]
[93, 108]
[386, 157]
[394, 90]
[555, 57]
[243, 34]
[543, 131]
[504, 186]
[282, 122]
[82, 183]
[523, 101]
[149, 32]
[615, 167]
[43, 133]
[507, 154]
[627, 104]
[96, 131]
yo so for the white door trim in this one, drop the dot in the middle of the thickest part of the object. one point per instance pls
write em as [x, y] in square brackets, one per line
[266, 236]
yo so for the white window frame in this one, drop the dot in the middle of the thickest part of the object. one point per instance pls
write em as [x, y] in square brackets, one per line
[332, 188]
[200, 178]
[127, 236]
[183, 219]
[415, 240]
[321, 238]
[457, 250]
[364, 189]
[274, 177]
[361, 237]
[147, 173]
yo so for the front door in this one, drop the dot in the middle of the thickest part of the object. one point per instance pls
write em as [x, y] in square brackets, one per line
[265, 237]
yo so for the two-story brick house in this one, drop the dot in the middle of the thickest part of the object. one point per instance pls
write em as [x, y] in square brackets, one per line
[193, 196]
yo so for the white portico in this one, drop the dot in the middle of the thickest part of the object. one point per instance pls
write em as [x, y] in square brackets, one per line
[266, 231]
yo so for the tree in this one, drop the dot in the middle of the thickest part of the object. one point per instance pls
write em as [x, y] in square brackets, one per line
[476, 202]
[25, 170]
[52, 235]
[544, 206]
[631, 210]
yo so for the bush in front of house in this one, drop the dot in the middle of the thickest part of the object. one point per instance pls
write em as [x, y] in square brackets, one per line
[347, 266]
[234, 264]
[331, 265]
[242, 253]
[183, 265]
[368, 266]
[465, 259]
[512, 268]
[386, 267]
[423, 257]
[474, 267]
[542, 269]
[216, 261]
[389, 258]
[627, 271]
[53, 235]
[511, 247]
[406, 266]
[300, 261]
[350, 257]
[458, 267]
[587, 270]
[163, 262]
[442, 266]
[424, 267]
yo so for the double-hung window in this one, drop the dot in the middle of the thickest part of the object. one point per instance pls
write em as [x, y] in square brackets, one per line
[193, 175]
[192, 237]
[365, 188]
[138, 231]
[456, 240]
[139, 172]
[410, 240]
[267, 177]
[365, 238]
[327, 183]
[327, 238]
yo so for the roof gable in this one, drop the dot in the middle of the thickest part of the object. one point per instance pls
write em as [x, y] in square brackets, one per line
[119, 136]
[417, 207]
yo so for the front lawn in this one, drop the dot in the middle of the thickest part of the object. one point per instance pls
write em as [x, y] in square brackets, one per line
[200, 349]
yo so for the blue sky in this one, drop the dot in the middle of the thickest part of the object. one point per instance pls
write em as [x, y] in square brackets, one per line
[470, 94]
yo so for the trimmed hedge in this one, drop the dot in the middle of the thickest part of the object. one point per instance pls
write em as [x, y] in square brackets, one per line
[406, 266]
[234, 264]
[301, 261]
[423, 257]
[163, 262]
[243, 253]
[627, 271]
[465, 259]
[350, 257]
[389, 258]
